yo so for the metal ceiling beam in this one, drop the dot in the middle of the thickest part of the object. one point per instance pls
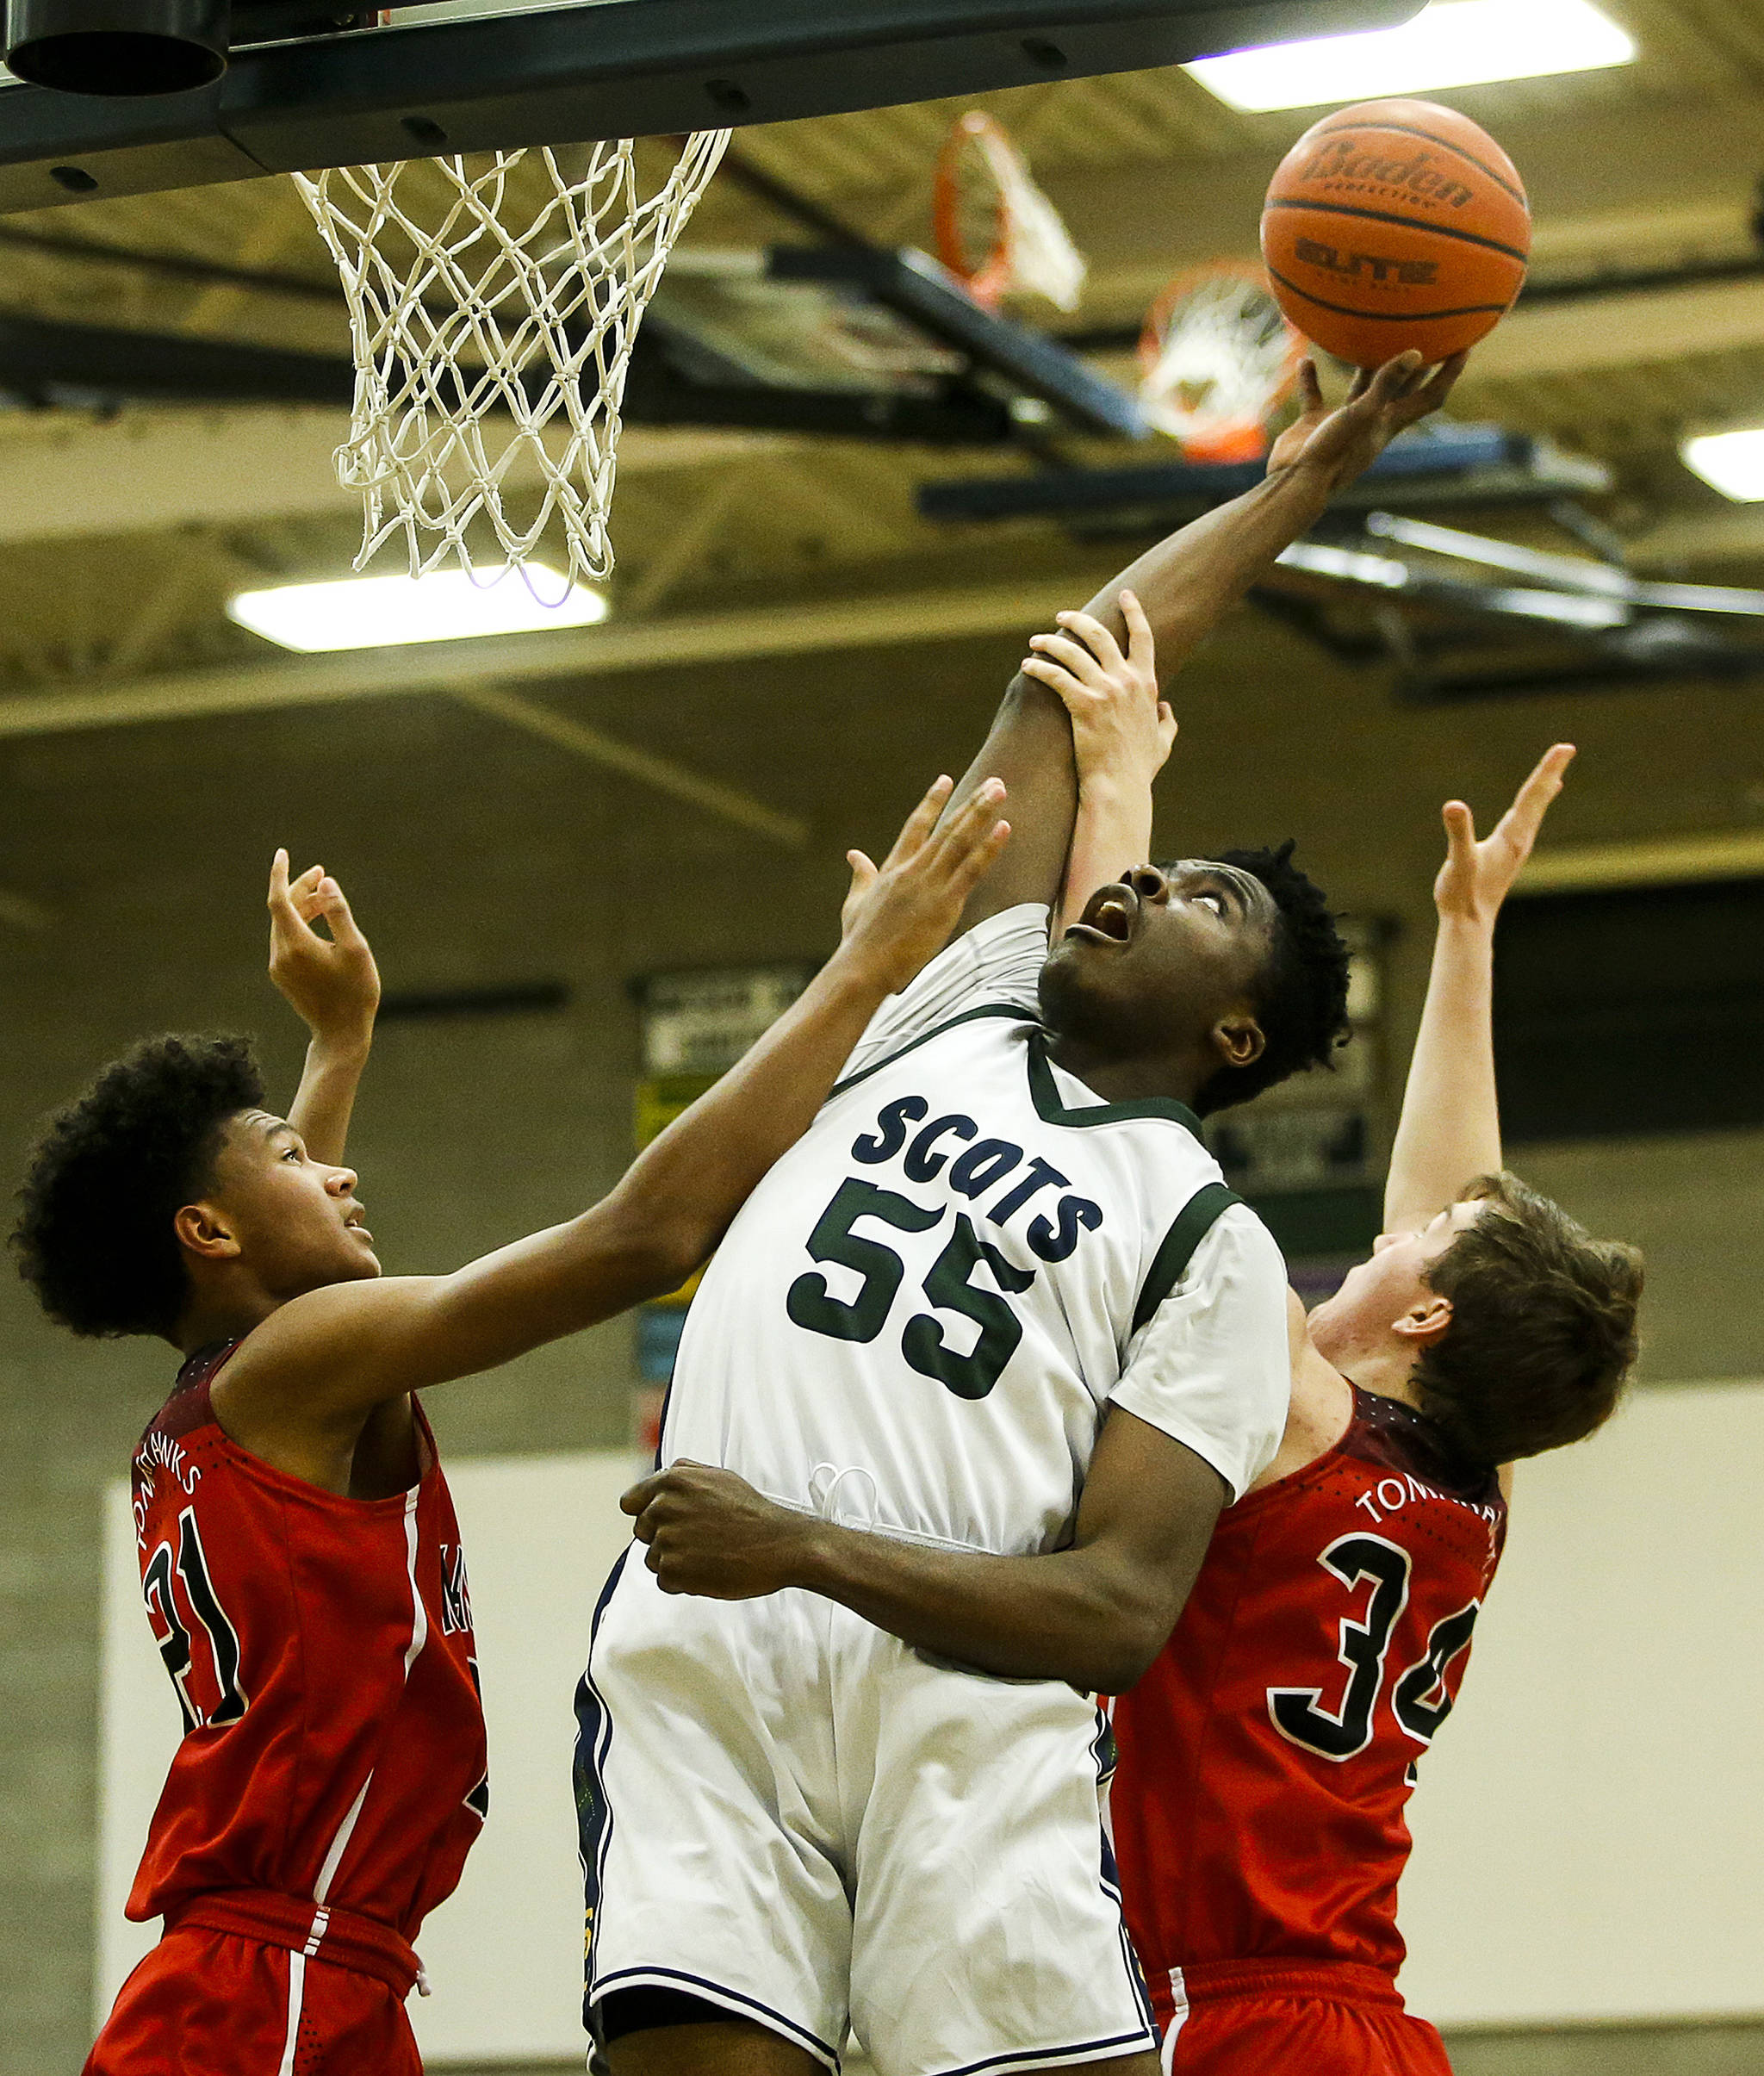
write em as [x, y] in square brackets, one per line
[661, 775]
[585, 653]
[63, 476]
[1727, 853]
[479, 674]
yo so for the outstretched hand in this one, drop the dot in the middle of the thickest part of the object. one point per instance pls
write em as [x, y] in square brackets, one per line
[1475, 878]
[1344, 443]
[898, 914]
[331, 983]
[1121, 731]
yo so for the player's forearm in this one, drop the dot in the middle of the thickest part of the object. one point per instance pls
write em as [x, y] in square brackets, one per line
[325, 1101]
[1112, 835]
[1449, 1129]
[679, 1195]
[1069, 1616]
[1190, 581]
[1029, 748]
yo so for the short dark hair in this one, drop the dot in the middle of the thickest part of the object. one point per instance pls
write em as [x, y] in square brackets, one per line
[1543, 1331]
[111, 1170]
[1302, 998]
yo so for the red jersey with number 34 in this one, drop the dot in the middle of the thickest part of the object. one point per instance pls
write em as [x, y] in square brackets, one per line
[321, 1651]
[1267, 1757]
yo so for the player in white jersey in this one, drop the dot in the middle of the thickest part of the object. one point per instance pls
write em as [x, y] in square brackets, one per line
[1002, 1224]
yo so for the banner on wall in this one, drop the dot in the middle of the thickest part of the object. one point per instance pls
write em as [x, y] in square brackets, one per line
[695, 1025]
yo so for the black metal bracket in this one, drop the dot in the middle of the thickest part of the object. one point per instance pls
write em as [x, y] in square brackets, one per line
[571, 75]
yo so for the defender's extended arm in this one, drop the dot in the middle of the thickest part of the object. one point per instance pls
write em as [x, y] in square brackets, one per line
[1121, 735]
[316, 1364]
[1449, 1129]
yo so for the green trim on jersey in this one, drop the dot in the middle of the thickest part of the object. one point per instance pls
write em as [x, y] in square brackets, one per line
[1053, 1111]
[990, 1008]
[1176, 1249]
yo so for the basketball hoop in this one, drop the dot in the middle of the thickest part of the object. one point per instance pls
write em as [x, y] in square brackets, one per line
[1217, 358]
[492, 307]
[985, 195]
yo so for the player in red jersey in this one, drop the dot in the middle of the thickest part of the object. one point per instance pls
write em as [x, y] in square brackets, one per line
[1266, 1759]
[300, 1558]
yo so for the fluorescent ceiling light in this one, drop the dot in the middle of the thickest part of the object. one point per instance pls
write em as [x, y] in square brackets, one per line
[1452, 43]
[383, 612]
[1731, 463]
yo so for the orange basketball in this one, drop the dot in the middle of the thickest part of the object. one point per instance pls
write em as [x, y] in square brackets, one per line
[1395, 224]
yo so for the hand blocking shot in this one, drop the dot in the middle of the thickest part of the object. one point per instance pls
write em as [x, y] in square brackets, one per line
[299, 1556]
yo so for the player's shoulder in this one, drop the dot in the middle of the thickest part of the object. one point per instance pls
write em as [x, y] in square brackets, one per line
[980, 1027]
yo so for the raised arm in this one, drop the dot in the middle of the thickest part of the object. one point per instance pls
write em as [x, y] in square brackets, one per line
[320, 1362]
[1449, 1129]
[1186, 584]
[1189, 582]
[333, 988]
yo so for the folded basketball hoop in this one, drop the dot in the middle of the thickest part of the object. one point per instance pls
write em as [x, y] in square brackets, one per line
[492, 307]
[983, 184]
[1217, 360]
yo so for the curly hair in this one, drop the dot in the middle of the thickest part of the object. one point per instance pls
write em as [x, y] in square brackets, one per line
[1302, 998]
[111, 1170]
[1542, 1330]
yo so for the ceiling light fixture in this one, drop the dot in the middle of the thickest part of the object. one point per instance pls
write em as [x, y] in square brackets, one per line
[1452, 43]
[387, 612]
[1731, 463]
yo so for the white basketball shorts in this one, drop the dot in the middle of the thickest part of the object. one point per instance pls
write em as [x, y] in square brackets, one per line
[793, 1815]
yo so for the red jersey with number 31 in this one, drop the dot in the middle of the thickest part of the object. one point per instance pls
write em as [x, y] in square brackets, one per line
[1267, 1757]
[321, 1651]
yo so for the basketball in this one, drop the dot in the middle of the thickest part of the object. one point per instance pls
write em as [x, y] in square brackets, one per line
[1395, 224]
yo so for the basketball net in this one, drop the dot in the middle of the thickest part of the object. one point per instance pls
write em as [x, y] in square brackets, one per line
[1217, 357]
[492, 307]
[1030, 250]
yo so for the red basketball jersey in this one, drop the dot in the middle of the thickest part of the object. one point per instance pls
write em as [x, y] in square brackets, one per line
[1267, 1757]
[321, 1650]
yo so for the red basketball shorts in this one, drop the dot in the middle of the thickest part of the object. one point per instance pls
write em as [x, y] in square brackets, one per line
[206, 2003]
[1231, 2018]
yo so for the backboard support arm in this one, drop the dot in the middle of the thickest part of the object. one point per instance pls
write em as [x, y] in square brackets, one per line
[618, 69]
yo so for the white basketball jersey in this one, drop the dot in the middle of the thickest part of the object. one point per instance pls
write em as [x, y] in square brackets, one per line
[919, 1317]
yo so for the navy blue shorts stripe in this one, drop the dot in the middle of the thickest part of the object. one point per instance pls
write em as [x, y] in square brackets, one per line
[716, 1993]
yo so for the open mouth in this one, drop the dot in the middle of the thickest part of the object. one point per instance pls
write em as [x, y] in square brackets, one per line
[357, 1223]
[1111, 917]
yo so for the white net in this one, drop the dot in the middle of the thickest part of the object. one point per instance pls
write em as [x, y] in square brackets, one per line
[1217, 356]
[1032, 253]
[493, 303]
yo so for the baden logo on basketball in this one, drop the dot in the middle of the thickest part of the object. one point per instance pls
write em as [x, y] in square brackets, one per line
[1341, 162]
